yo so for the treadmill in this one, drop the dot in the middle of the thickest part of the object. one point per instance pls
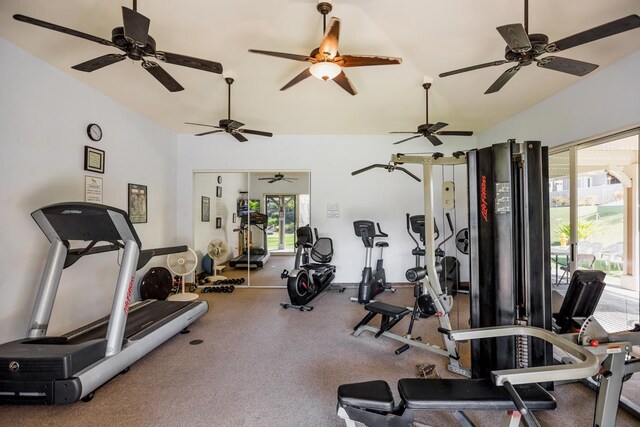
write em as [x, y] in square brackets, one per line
[41, 369]
[252, 258]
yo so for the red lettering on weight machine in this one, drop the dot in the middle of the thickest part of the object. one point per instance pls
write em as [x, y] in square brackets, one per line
[484, 207]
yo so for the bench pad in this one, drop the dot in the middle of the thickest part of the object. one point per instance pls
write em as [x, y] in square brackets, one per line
[475, 394]
[371, 395]
[386, 309]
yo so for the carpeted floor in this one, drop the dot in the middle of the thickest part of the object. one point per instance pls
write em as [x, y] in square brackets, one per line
[261, 365]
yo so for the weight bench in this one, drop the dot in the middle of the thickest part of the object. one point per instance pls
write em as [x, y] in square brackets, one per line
[372, 403]
[390, 316]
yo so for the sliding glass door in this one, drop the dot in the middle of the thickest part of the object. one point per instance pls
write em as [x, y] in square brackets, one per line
[593, 190]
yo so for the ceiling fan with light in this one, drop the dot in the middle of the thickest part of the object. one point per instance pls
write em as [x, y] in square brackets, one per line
[278, 177]
[429, 130]
[228, 125]
[523, 48]
[326, 61]
[134, 40]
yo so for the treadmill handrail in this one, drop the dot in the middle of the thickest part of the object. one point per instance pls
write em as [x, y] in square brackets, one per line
[588, 365]
[145, 255]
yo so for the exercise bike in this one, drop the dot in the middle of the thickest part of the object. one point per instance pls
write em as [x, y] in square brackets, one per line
[308, 279]
[373, 282]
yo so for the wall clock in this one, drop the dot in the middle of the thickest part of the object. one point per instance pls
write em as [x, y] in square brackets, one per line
[94, 132]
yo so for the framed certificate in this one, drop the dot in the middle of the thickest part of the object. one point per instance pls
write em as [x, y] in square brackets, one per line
[93, 159]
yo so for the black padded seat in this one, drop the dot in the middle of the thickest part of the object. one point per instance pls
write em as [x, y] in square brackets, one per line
[387, 309]
[374, 395]
[382, 245]
[316, 266]
[476, 394]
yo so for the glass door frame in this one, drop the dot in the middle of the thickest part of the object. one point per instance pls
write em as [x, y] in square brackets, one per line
[572, 149]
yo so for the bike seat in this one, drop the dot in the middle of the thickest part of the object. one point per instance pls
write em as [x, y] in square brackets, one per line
[382, 245]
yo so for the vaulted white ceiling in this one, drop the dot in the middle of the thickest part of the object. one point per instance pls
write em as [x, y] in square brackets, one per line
[432, 36]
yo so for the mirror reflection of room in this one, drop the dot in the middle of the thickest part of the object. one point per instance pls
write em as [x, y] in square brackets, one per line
[284, 199]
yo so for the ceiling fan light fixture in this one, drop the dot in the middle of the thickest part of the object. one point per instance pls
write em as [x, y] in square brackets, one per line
[325, 70]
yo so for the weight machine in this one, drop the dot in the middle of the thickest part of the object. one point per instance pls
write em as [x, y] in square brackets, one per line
[390, 314]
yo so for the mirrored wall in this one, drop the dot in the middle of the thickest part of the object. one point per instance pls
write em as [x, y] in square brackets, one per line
[245, 223]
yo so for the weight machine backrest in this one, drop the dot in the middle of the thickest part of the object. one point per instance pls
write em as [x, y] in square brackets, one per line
[581, 300]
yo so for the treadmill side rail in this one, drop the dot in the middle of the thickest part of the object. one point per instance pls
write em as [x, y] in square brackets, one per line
[122, 297]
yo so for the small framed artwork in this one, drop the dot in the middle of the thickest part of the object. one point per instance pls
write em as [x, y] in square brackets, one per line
[137, 203]
[233, 218]
[92, 189]
[93, 159]
[219, 179]
[206, 209]
[218, 191]
[218, 222]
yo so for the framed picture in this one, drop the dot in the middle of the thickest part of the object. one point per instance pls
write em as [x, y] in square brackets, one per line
[93, 159]
[137, 203]
[206, 206]
[233, 218]
[92, 189]
[218, 222]
[218, 191]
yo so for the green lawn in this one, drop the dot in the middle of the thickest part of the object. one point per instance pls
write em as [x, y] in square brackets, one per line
[273, 240]
[609, 227]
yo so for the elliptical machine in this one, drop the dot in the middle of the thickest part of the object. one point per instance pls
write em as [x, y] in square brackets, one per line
[302, 288]
[448, 267]
[373, 282]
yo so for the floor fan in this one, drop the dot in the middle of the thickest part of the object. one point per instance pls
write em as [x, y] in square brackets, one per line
[218, 250]
[182, 264]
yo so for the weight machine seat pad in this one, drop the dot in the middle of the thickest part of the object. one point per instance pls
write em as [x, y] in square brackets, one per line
[317, 266]
[474, 394]
[382, 245]
[387, 309]
[374, 395]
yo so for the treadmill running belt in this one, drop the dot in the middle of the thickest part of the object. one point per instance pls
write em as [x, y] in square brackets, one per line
[137, 320]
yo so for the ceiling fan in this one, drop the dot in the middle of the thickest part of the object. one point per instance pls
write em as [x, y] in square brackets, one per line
[278, 177]
[326, 61]
[228, 125]
[429, 130]
[524, 49]
[134, 40]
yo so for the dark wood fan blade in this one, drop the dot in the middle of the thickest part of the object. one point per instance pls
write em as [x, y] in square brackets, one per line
[201, 124]
[437, 127]
[406, 132]
[329, 44]
[407, 139]
[97, 63]
[596, 33]
[61, 29]
[456, 132]
[292, 56]
[297, 79]
[474, 67]
[566, 65]
[503, 79]
[256, 132]
[271, 181]
[238, 136]
[162, 76]
[136, 26]
[209, 133]
[434, 139]
[343, 81]
[190, 61]
[365, 60]
[516, 37]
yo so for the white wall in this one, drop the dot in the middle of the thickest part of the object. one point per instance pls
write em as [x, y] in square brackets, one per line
[604, 102]
[376, 195]
[205, 185]
[43, 116]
